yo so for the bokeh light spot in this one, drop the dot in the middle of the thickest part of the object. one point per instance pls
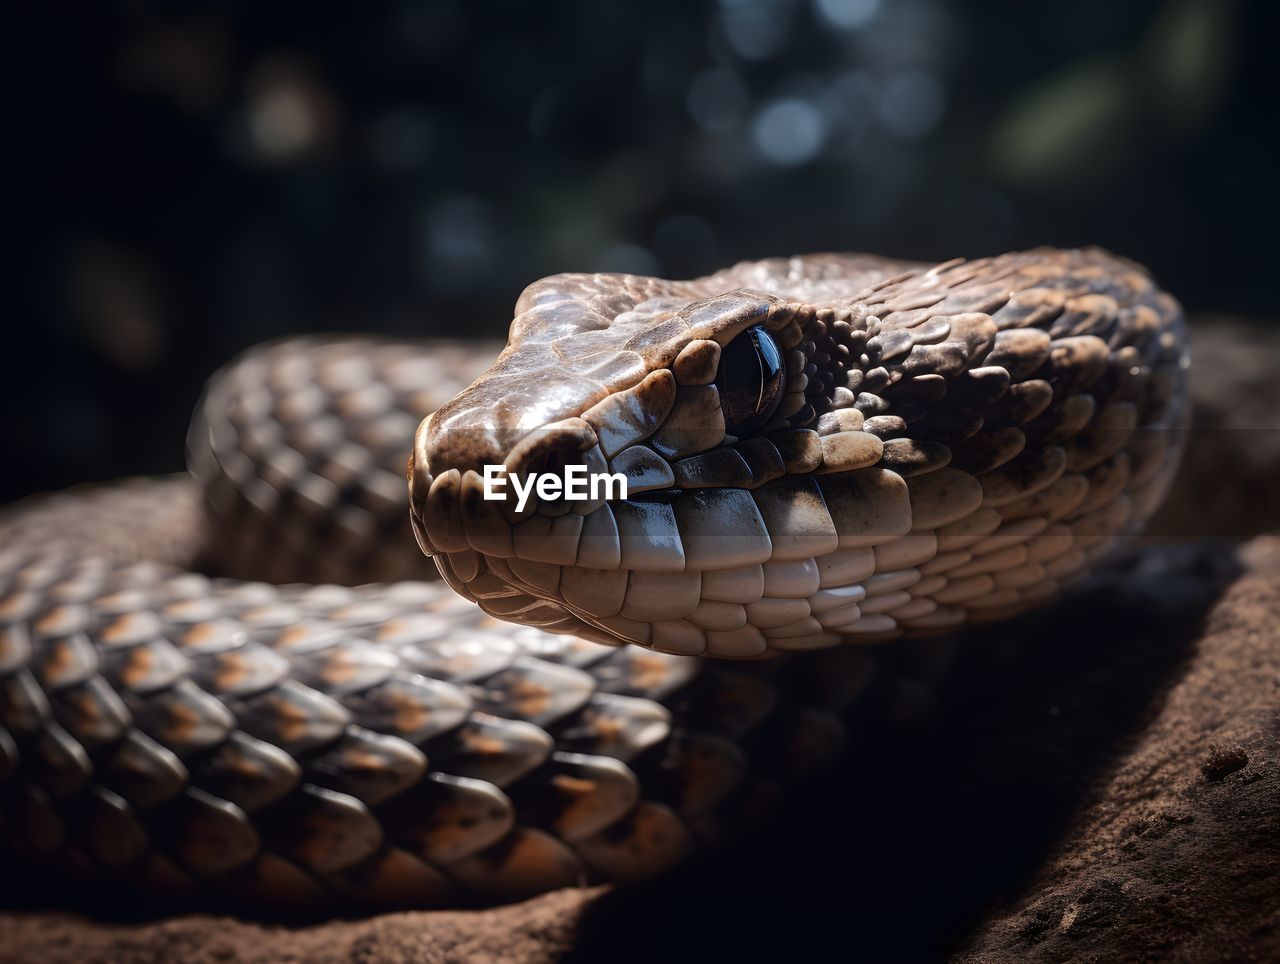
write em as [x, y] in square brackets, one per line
[789, 131]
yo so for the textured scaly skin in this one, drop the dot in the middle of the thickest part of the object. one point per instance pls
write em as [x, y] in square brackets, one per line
[965, 441]
[956, 444]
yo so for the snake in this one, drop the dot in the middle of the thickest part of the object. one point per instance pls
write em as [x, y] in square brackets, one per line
[248, 683]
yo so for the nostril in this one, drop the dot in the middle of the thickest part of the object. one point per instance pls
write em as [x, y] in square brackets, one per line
[556, 461]
[549, 452]
[552, 448]
[454, 483]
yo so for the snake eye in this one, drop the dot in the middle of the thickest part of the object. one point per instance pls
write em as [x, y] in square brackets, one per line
[751, 380]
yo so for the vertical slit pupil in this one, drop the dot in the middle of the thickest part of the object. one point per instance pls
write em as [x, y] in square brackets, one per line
[750, 380]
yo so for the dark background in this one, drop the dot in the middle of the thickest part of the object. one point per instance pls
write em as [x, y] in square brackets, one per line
[190, 179]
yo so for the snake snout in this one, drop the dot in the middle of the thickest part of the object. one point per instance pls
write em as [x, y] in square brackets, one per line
[466, 484]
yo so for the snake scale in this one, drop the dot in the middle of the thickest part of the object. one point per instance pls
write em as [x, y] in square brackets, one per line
[242, 682]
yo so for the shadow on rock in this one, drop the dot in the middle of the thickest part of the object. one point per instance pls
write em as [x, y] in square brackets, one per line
[969, 757]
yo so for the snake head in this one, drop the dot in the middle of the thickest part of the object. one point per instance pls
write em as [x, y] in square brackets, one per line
[815, 449]
[707, 406]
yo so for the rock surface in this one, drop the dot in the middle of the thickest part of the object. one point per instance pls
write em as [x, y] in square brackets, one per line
[1177, 856]
[537, 930]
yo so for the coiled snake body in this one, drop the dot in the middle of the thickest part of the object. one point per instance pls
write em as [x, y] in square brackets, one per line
[820, 450]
